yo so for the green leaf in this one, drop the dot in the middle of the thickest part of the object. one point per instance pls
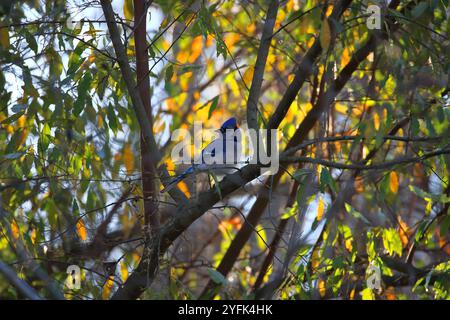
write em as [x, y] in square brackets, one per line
[419, 9]
[326, 180]
[13, 118]
[83, 90]
[392, 242]
[213, 106]
[169, 73]
[356, 214]
[31, 41]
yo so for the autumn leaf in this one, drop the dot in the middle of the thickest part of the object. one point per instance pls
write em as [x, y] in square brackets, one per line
[393, 182]
[322, 289]
[128, 159]
[345, 58]
[15, 229]
[367, 294]
[123, 271]
[320, 208]
[196, 49]
[248, 76]
[81, 230]
[403, 231]
[33, 236]
[184, 188]
[376, 121]
[107, 288]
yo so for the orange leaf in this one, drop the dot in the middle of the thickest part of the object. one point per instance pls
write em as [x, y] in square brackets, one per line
[128, 159]
[393, 181]
[196, 49]
[184, 188]
[403, 231]
[81, 230]
[15, 229]
[322, 289]
[345, 58]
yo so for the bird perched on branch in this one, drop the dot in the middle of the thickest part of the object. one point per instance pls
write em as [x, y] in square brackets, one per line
[214, 157]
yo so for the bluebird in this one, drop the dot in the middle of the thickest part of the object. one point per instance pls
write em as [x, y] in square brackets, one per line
[214, 155]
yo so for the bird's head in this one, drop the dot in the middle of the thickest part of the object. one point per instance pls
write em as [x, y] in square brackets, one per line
[230, 124]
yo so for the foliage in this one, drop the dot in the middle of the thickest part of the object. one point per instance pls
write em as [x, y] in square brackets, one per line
[70, 179]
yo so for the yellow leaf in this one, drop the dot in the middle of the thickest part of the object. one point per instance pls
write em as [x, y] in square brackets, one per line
[329, 10]
[261, 237]
[128, 159]
[248, 76]
[352, 294]
[107, 287]
[33, 236]
[196, 49]
[325, 35]
[393, 181]
[4, 37]
[15, 229]
[123, 271]
[320, 209]
[342, 108]
[349, 245]
[322, 289]
[376, 121]
[367, 294]
[230, 39]
[128, 9]
[81, 230]
[21, 121]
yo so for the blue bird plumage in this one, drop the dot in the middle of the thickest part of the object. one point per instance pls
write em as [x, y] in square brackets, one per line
[218, 144]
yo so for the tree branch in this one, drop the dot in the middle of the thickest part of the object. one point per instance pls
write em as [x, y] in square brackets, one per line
[23, 287]
[263, 52]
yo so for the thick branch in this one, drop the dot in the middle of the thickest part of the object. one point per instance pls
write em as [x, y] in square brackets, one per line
[127, 74]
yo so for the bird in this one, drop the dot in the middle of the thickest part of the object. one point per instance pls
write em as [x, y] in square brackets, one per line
[214, 155]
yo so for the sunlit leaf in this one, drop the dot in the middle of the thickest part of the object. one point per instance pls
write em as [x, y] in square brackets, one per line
[393, 182]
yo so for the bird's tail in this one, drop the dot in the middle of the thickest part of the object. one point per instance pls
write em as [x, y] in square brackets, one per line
[174, 182]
